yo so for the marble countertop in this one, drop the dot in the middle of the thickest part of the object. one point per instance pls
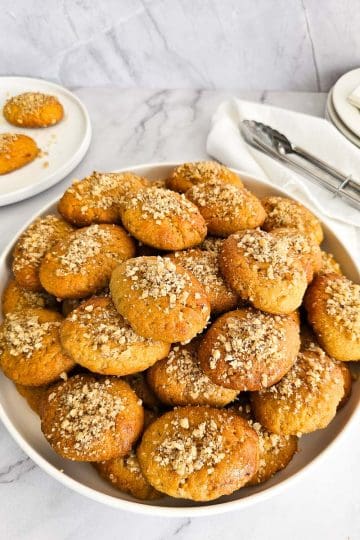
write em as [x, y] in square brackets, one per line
[138, 126]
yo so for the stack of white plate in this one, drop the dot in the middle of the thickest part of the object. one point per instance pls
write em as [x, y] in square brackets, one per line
[344, 116]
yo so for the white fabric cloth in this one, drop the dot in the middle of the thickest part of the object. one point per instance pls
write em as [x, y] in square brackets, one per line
[316, 135]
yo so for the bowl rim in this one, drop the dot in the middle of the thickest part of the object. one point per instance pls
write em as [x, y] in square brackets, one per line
[147, 508]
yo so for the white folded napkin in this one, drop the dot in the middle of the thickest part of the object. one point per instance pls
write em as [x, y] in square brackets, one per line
[316, 135]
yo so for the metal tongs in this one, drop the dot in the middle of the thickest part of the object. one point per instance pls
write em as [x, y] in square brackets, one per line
[275, 144]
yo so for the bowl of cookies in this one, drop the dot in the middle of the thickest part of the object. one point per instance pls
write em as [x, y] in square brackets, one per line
[177, 339]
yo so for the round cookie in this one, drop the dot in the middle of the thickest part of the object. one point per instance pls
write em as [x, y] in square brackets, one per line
[97, 198]
[247, 349]
[31, 353]
[329, 264]
[226, 208]
[333, 309]
[304, 248]
[163, 219]
[33, 110]
[187, 175]
[284, 212]
[98, 338]
[31, 247]
[205, 267]
[305, 399]
[198, 453]
[15, 297]
[92, 419]
[125, 474]
[161, 300]
[264, 269]
[179, 380]
[16, 150]
[82, 262]
[34, 395]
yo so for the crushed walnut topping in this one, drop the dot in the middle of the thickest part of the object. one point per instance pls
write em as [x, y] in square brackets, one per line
[189, 449]
[183, 366]
[86, 412]
[243, 341]
[305, 379]
[37, 240]
[204, 266]
[83, 246]
[343, 303]
[282, 212]
[24, 335]
[158, 278]
[105, 329]
[202, 171]
[214, 193]
[212, 244]
[104, 190]
[132, 464]
[160, 204]
[6, 142]
[31, 103]
[274, 255]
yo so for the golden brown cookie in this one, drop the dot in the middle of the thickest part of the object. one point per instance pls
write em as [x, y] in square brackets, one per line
[333, 308]
[249, 350]
[347, 384]
[179, 380]
[31, 353]
[305, 399]
[329, 264]
[34, 395]
[284, 212]
[82, 262]
[92, 419]
[187, 175]
[33, 110]
[15, 297]
[31, 247]
[98, 338]
[163, 219]
[226, 208]
[161, 300]
[205, 267]
[16, 150]
[198, 453]
[97, 198]
[125, 474]
[265, 270]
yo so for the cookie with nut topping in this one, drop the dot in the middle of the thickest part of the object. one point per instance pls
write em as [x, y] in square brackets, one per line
[81, 264]
[333, 309]
[179, 380]
[163, 219]
[160, 299]
[199, 453]
[247, 349]
[15, 297]
[91, 419]
[16, 151]
[226, 208]
[98, 197]
[33, 110]
[32, 246]
[98, 338]
[30, 349]
[186, 175]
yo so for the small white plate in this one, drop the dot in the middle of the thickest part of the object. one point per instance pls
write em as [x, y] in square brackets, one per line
[349, 114]
[336, 120]
[24, 425]
[63, 146]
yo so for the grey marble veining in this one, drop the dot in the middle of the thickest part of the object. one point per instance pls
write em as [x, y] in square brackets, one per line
[282, 44]
[130, 127]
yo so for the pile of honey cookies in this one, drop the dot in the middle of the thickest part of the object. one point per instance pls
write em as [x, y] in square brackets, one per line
[179, 334]
[26, 110]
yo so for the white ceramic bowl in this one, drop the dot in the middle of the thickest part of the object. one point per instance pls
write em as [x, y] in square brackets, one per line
[23, 424]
